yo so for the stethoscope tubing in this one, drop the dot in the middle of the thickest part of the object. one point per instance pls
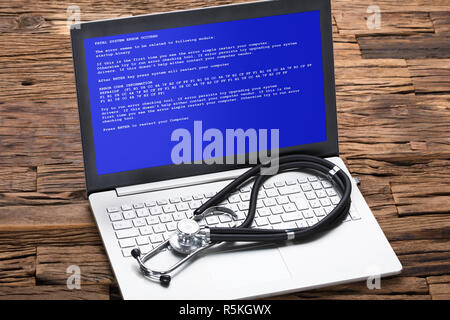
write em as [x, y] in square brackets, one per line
[285, 163]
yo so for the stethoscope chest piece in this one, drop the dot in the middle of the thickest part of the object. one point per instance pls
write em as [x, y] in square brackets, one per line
[188, 237]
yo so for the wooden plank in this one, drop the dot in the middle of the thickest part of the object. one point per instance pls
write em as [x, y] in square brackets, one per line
[17, 179]
[420, 246]
[386, 76]
[441, 21]
[56, 225]
[41, 199]
[425, 227]
[392, 6]
[377, 193]
[17, 265]
[419, 46]
[440, 291]
[94, 292]
[431, 75]
[52, 264]
[345, 47]
[60, 177]
[422, 197]
[426, 264]
[392, 23]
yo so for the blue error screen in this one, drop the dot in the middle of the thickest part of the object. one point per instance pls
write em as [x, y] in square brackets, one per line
[259, 73]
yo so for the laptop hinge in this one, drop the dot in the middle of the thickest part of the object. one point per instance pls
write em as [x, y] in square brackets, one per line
[178, 183]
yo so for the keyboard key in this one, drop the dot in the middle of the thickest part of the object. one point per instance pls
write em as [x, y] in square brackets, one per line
[155, 211]
[264, 212]
[291, 182]
[316, 185]
[319, 212]
[115, 216]
[261, 194]
[240, 216]
[321, 193]
[302, 180]
[287, 217]
[126, 207]
[126, 243]
[269, 202]
[272, 193]
[261, 221]
[282, 200]
[162, 202]
[197, 196]
[243, 206]
[290, 207]
[225, 218]
[335, 200]
[306, 187]
[279, 184]
[146, 248]
[186, 198]
[308, 214]
[301, 224]
[354, 214]
[312, 178]
[211, 220]
[328, 210]
[142, 240]
[177, 216]
[156, 238]
[277, 210]
[195, 204]
[289, 190]
[310, 195]
[150, 203]
[327, 184]
[119, 225]
[274, 219]
[129, 214]
[139, 222]
[315, 203]
[126, 252]
[171, 226]
[268, 185]
[182, 207]
[234, 199]
[331, 192]
[175, 200]
[138, 205]
[142, 213]
[165, 218]
[245, 196]
[146, 230]
[260, 204]
[128, 233]
[312, 221]
[210, 194]
[301, 204]
[245, 189]
[152, 220]
[112, 209]
[169, 208]
[159, 228]
[325, 202]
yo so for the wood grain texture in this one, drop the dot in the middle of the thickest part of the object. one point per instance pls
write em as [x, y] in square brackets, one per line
[393, 101]
[52, 264]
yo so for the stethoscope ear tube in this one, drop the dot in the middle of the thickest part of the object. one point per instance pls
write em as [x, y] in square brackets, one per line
[291, 162]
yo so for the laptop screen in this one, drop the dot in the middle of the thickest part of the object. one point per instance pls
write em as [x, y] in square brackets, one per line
[259, 73]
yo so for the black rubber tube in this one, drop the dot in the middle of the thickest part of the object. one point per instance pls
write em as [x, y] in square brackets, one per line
[286, 163]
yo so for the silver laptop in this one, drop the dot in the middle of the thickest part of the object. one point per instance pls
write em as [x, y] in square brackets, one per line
[152, 92]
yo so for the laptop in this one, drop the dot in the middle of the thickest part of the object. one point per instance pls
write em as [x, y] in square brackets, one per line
[155, 92]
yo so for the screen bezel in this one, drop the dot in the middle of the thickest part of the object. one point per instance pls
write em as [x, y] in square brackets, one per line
[96, 183]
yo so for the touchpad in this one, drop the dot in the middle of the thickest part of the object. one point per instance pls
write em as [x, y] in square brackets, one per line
[242, 265]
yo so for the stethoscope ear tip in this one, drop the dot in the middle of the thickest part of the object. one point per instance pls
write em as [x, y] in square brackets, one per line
[136, 253]
[165, 279]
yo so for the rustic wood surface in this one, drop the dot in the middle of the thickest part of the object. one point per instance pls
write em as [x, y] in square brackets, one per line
[393, 99]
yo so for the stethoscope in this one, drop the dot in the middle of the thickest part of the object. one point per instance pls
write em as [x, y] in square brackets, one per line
[190, 238]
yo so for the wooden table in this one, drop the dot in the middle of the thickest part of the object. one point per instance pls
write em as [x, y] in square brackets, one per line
[393, 93]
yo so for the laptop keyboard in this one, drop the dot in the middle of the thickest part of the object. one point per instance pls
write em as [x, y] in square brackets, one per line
[281, 204]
